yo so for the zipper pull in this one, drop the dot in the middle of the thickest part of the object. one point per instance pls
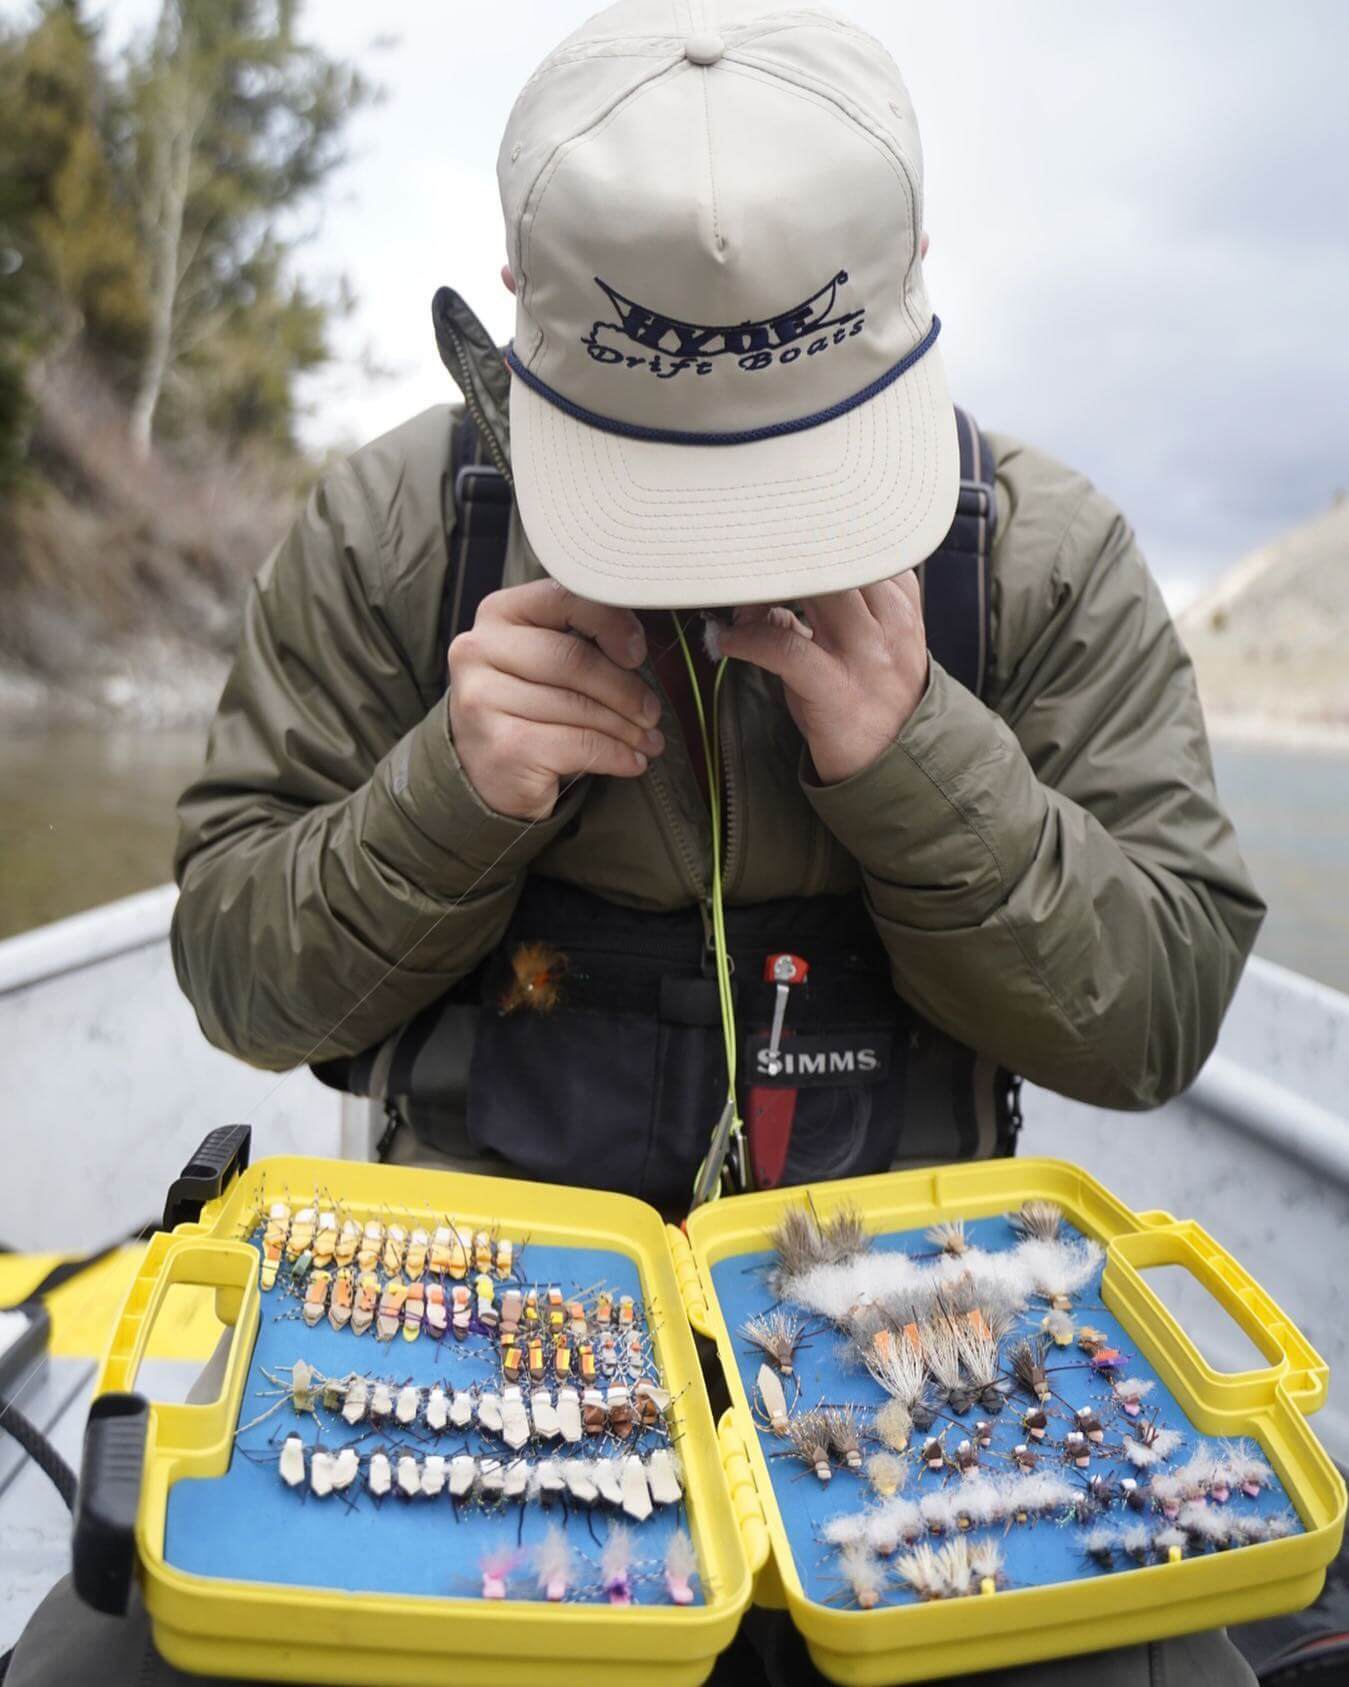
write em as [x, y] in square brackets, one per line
[709, 963]
[784, 971]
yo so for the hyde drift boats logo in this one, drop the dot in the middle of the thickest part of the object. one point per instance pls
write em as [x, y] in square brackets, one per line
[668, 346]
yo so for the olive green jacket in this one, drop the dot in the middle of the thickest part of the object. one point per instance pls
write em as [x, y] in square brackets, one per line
[1050, 871]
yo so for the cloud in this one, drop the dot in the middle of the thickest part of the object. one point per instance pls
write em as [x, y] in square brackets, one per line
[1140, 228]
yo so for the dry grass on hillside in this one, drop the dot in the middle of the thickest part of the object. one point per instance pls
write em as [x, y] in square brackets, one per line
[101, 551]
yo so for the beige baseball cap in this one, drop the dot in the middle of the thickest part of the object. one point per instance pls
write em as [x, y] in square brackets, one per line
[726, 386]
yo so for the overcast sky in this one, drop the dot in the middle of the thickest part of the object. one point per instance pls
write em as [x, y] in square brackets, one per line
[1139, 220]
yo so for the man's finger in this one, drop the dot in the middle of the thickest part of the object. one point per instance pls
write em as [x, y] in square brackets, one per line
[776, 614]
[561, 659]
[570, 751]
[797, 661]
[841, 619]
[550, 705]
[897, 601]
[543, 603]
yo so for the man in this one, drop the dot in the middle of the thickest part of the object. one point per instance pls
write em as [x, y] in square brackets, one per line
[1036, 880]
[724, 393]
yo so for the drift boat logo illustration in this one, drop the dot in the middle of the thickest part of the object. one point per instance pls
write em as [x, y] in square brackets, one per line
[669, 346]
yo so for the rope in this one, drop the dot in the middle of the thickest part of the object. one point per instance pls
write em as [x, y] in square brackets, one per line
[40, 1450]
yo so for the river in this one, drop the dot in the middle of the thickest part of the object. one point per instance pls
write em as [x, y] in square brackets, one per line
[86, 816]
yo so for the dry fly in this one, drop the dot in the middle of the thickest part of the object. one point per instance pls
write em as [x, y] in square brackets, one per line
[893, 1425]
[844, 1236]
[949, 1237]
[553, 1564]
[864, 1576]
[986, 1565]
[955, 1568]
[845, 1438]
[1038, 1221]
[810, 1442]
[1150, 1445]
[798, 1244]
[1130, 1393]
[977, 1338]
[897, 1365]
[1027, 1362]
[681, 1568]
[921, 1570]
[941, 1356]
[887, 1474]
[535, 983]
[777, 1334]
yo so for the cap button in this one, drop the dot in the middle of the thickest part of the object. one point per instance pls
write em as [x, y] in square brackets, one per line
[704, 49]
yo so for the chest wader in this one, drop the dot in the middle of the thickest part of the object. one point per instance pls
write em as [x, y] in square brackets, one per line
[621, 1085]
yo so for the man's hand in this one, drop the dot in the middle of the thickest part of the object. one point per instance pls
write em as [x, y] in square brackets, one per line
[541, 689]
[853, 674]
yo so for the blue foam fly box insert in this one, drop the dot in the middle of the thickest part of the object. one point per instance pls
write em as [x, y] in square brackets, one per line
[248, 1526]
[1034, 1553]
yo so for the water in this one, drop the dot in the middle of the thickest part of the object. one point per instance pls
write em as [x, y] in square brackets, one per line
[1291, 812]
[88, 816]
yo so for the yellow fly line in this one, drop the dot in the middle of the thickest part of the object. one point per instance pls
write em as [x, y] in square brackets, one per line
[707, 1184]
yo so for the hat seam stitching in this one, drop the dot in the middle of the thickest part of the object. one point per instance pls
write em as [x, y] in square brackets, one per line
[579, 553]
[841, 497]
[745, 494]
[717, 241]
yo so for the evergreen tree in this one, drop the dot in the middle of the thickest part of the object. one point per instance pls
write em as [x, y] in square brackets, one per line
[71, 268]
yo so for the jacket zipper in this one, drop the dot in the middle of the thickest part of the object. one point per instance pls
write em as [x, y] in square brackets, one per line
[486, 431]
[658, 789]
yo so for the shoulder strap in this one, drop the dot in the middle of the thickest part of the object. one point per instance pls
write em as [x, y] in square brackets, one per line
[482, 519]
[954, 579]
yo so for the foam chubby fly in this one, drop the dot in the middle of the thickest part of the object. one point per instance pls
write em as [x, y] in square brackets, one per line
[772, 1401]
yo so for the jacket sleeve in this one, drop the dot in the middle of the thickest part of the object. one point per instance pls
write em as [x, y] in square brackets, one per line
[1056, 883]
[337, 870]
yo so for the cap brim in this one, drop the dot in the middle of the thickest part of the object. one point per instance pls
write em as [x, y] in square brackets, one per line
[648, 524]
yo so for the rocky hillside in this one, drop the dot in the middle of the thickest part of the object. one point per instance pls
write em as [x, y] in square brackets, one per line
[1270, 641]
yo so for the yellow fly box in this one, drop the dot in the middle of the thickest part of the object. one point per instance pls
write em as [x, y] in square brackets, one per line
[1266, 1406]
[293, 1630]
